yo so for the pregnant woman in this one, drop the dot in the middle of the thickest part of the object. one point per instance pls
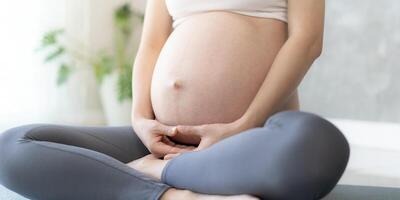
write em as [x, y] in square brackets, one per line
[215, 115]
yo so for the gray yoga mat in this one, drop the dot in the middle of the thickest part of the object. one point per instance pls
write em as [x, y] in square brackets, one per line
[340, 192]
[355, 192]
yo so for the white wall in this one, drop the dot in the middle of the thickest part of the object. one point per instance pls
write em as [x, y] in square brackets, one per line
[24, 82]
[357, 76]
[28, 93]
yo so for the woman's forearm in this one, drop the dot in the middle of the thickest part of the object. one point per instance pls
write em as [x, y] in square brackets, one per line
[288, 69]
[157, 27]
[305, 28]
[141, 83]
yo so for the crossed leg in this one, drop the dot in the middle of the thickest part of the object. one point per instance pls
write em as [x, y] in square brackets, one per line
[296, 155]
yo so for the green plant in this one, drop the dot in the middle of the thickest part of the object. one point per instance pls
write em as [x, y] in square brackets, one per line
[56, 49]
[119, 60]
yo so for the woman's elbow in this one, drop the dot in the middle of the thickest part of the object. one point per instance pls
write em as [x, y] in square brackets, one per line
[311, 43]
[316, 49]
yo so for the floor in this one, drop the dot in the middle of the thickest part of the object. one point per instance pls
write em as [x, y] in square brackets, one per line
[341, 192]
[353, 192]
[6, 194]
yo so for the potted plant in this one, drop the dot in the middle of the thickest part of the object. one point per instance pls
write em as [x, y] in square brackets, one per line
[112, 68]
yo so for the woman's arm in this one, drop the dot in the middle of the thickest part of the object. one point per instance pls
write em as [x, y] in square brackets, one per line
[304, 45]
[156, 29]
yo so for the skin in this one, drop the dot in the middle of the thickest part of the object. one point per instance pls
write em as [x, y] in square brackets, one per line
[274, 76]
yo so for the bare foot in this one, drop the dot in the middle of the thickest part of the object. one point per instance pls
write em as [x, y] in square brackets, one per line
[152, 166]
[149, 165]
[175, 194]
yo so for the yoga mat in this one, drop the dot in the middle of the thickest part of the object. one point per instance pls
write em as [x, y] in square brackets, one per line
[340, 192]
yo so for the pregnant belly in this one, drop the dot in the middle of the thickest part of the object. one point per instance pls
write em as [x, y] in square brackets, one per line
[211, 68]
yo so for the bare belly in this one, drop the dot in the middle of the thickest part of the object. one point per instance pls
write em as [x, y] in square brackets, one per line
[211, 68]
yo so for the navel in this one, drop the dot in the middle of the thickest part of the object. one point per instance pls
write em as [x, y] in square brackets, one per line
[177, 84]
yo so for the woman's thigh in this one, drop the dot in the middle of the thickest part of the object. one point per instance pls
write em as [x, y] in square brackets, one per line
[45, 161]
[121, 143]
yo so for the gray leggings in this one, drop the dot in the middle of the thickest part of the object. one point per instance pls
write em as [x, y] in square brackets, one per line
[296, 155]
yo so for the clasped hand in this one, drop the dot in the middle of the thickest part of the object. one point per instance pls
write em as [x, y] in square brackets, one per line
[208, 133]
[156, 136]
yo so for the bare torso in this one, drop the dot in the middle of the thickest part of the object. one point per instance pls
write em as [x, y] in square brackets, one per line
[212, 66]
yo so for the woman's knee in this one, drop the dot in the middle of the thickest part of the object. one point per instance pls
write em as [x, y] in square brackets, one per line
[15, 151]
[11, 139]
[308, 126]
[315, 157]
[315, 133]
[18, 133]
[8, 142]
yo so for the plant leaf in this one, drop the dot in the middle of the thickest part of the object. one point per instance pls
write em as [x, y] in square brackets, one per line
[64, 71]
[50, 38]
[55, 54]
[122, 19]
[102, 66]
[124, 84]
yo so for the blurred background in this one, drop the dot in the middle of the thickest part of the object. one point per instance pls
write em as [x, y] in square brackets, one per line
[58, 58]
[69, 62]
[357, 77]
[68, 80]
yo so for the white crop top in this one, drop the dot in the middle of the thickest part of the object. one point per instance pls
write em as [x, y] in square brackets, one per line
[181, 9]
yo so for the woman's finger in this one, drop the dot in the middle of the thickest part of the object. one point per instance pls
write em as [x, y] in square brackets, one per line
[170, 156]
[167, 130]
[188, 130]
[185, 146]
[163, 129]
[160, 148]
[167, 141]
[204, 143]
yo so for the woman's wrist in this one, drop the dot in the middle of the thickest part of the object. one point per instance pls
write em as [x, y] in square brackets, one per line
[246, 122]
[240, 125]
[138, 117]
[138, 122]
[139, 125]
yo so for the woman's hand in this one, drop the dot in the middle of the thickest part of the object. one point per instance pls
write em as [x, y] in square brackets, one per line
[154, 136]
[209, 134]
